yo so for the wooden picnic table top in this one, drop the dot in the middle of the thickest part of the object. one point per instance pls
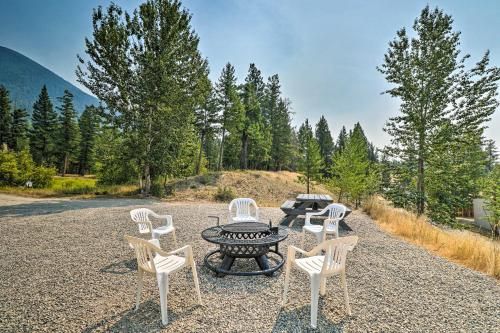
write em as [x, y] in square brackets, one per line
[314, 198]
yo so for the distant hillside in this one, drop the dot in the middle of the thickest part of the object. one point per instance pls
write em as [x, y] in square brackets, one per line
[266, 187]
[24, 79]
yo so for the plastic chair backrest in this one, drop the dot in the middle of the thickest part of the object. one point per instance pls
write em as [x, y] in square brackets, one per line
[243, 206]
[336, 213]
[144, 251]
[141, 217]
[336, 253]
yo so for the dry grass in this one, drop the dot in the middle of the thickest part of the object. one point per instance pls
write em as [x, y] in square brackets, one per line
[74, 186]
[269, 189]
[472, 250]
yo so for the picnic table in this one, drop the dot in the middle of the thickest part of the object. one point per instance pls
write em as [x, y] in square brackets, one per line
[305, 203]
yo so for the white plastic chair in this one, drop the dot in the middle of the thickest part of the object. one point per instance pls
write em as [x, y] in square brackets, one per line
[243, 210]
[153, 260]
[319, 267]
[336, 213]
[141, 217]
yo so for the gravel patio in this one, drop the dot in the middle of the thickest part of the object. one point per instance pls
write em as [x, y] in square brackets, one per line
[66, 268]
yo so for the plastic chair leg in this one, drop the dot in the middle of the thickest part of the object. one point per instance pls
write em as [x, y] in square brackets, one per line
[196, 282]
[315, 282]
[175, 238]
[140, 274]
[287, 282]
[346, 296]
[162, 286]
[322, 290]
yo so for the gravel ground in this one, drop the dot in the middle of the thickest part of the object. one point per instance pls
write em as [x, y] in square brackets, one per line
[65, 268]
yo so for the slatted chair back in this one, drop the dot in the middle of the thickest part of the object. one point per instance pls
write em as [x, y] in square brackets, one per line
[243, 208]
[336, 213]
[336, 254]
[144, 251]
[141, 217]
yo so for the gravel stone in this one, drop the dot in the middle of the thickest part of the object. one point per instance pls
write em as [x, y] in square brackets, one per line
[65, 267]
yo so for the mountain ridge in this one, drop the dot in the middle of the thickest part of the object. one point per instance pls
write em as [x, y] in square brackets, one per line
[24, 78]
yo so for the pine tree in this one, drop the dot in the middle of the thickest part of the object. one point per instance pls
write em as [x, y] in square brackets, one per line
[253, 128]
[353, 173]
[68, 132]
[282, 135]
[20, 129]
[5, 119]
[442, 105]
[325, 141]
[44, 130]
[341, 140]
[229, 105]
[152, 70]
[310, 158]
[88, 125]
[491, 154]
[206, 122]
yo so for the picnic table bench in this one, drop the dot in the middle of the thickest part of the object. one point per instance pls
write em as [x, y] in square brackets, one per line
[305, 203]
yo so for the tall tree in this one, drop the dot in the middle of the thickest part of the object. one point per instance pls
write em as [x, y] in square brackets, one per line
[310, 158]
[88, 125]
[440, 100]
[281, 149]
[5, 119]
[325, 141]
[341, 140]
[44, 130]
[229, 104]
[491, 154]
[147, 68]
[206, 121]
[20, 129]
[68, 131]
[353, 173]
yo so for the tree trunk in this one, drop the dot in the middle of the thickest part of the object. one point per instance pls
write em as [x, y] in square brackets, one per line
[147, 179]
[307, 179]
[221, 151]
[198, 164]
[420, 187]
[244, 152]
[65, 164]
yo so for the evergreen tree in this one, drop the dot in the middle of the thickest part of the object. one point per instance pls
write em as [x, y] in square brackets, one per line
[5, 119]
[442, 105]
[353, 173]
[282, 135]
[341, 140]
[44, 130]
[206, 122]
[152, 70]
[20, 129]
[325, 141]
[491, 154]
[310, 158]
[88, 125]
[229, 105]
[69, 133]
[253, 128]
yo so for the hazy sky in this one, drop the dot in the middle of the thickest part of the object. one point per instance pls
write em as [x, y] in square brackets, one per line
[325, 52]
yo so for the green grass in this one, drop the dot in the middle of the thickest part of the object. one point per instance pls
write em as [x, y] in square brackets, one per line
[73, 186]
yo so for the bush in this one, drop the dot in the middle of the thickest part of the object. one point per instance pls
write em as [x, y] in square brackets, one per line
[8, 168]
[224, 194]
[42, 177]
[158, 190]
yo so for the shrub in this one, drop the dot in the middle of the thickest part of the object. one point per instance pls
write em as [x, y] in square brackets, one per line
[8, 168]
[224, 194]
[158, 190]
[42, 177]
[25, 165]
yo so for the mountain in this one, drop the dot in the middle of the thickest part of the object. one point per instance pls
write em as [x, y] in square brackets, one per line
[24, 79]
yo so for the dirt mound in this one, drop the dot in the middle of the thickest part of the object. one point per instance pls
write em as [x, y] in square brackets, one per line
[268, 188]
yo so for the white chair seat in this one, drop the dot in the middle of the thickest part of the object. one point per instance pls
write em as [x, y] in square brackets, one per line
[169, 264]
[161, 231]
[244, 218]
[311, 265]
[319, 228]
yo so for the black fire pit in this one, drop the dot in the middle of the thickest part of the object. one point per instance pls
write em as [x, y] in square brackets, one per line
[245, 240]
